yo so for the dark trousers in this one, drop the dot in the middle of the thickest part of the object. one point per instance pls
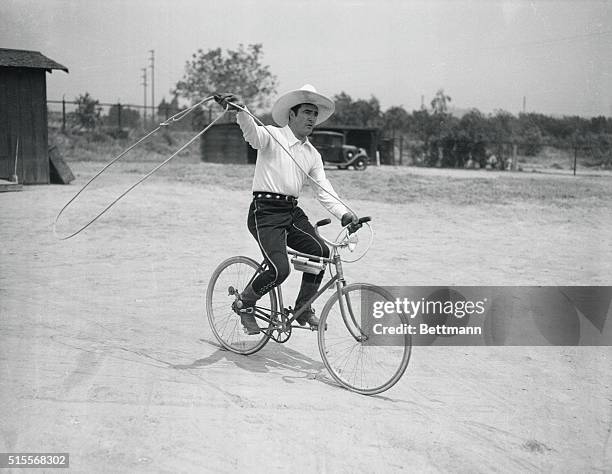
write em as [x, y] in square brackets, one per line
[276, 225]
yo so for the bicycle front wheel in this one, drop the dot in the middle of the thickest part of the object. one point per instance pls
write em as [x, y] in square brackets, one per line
[236, 273]
[346, 349]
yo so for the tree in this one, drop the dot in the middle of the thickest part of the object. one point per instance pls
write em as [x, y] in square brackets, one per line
[87, 114]
[530, 135]
[439, 103]
[358, 113]
[396, 118]
[472, 135]
[129, 118]
[422, 126]
[395, 122]
[503, 127]
[442, 128]
[239, 71]
[168, 109]
[601, 149]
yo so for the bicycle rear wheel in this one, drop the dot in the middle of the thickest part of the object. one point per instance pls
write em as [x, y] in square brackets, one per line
[235, 273]
[355, 363]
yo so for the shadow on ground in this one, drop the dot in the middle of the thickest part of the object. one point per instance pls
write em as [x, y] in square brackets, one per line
[276, 358]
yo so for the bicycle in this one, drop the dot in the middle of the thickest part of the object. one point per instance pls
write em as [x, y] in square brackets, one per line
[342, 337]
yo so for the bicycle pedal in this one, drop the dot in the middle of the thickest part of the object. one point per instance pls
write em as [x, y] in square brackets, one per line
[250, 333]
[316, 328]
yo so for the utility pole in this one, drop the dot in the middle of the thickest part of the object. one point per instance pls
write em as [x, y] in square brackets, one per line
[63, 113]
[152, 59]
[144, 83]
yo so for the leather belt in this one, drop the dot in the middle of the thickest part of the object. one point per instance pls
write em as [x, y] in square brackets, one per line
[273, 196]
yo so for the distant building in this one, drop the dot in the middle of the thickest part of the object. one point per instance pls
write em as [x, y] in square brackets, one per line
[363, 137]
[224, 143]
[23, 114]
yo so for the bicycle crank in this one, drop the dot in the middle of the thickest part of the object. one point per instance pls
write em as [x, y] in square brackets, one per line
[280, 334]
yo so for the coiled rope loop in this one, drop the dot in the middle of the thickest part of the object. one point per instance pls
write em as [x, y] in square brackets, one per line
[175, 118]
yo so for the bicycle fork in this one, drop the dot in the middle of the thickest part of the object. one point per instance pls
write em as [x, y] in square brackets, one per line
[347, 311]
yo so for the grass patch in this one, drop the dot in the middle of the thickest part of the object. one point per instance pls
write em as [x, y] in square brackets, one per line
[391, 184]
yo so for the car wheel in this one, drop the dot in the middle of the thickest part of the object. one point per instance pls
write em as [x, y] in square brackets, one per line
[360, 164]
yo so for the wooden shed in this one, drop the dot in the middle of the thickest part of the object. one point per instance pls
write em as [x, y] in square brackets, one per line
[224, 143]
[23, 115]
[363, 137]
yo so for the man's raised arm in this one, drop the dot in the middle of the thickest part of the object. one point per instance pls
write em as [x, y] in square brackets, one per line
[255, 135]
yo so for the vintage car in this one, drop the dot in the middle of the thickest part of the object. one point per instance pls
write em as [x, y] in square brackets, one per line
[337, 153]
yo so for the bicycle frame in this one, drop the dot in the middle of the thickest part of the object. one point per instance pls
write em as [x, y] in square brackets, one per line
[336, 279]
[354, 365]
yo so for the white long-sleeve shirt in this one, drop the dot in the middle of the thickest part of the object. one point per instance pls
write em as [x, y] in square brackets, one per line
[276, 172]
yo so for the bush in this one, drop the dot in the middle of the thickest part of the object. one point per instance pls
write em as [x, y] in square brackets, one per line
[87, 114]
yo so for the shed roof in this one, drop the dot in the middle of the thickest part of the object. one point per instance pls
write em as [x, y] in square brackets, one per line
[29, 59]
[347, 127]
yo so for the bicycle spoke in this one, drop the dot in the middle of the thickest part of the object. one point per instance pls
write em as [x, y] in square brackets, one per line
[355, 364]
[224, 322]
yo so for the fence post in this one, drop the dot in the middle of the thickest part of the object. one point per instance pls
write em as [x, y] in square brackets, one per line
[119, 116]
[575, 158]
[63, 114]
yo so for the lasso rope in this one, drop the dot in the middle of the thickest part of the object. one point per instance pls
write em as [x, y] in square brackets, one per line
[175, 118]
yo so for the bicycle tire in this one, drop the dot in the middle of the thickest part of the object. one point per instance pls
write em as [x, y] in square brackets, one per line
[357, 366]
[224, 322]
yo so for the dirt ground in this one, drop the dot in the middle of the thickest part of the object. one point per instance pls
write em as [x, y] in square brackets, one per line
[106, 353]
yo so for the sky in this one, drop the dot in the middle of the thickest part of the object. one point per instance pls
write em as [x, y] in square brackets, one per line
[485, 54]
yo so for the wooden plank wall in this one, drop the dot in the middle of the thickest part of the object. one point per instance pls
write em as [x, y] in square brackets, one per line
[224, 144]
[23, 100]
[365, 139]
[5, 152]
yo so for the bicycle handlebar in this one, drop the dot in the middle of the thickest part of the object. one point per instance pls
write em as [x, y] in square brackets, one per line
[321, 223]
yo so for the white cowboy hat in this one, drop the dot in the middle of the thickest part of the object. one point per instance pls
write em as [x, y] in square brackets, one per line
[307, 94]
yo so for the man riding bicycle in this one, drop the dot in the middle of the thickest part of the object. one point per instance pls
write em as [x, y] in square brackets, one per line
[274, 218]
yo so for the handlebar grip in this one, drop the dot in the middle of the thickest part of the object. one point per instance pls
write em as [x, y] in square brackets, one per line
[365, 219]
[323, 222]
